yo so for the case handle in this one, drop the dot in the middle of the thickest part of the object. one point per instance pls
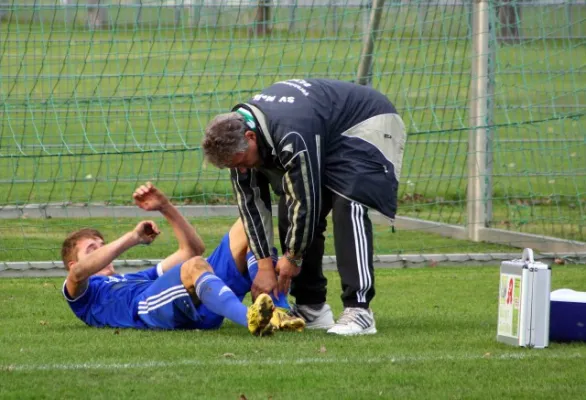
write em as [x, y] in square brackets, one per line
[528, 255]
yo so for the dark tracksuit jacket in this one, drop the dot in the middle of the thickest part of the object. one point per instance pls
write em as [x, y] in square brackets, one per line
[316, 137]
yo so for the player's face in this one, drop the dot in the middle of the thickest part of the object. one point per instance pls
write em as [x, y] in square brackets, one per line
[88, 245]
[249, 158]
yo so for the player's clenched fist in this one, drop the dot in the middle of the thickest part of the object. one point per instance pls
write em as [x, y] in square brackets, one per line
[146, 232]
[149, 198]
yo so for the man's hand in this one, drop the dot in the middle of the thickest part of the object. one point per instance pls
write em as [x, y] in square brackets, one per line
[146, 232]
[266, 279]
[149, 198]
[287, 271]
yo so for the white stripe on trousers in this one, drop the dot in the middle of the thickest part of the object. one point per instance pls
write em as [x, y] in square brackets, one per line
[359, 211]
[148, 303]
[164, 292]
[361, 249]
[169, 300]
[357, 250]
[365, 255]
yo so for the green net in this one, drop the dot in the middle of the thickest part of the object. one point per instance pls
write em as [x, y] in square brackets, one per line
[98, 97]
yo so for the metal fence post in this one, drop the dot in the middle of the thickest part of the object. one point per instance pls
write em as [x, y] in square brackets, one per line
[3, 9]
[479, 82]
[292, 10]
[367, 7]
[569, 18]
[195, 13]
[334, 6]
[421, 16]
[490, 130]
[178, 12]
[138, 14]
[364, 74]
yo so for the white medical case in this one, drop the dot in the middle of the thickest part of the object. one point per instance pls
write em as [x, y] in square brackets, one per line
[524, 301]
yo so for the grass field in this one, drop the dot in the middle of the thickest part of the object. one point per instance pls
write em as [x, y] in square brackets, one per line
[29, 240]
[86, 116]
[436, 340]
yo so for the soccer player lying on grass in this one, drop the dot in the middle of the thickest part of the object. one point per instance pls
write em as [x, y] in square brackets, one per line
[184, 291]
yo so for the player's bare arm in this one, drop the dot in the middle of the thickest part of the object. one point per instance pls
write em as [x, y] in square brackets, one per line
[99, 256]
[149, 198]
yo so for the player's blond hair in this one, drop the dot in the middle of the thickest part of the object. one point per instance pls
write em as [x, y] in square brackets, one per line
[69, 247]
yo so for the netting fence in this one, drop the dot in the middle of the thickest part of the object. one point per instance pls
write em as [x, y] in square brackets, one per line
[99, 97]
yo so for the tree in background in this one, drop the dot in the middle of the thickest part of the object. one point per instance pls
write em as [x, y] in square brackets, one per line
[262, 18]
[509, 14]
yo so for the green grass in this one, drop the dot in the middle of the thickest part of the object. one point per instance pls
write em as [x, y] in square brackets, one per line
[34, 240]
[436, 340]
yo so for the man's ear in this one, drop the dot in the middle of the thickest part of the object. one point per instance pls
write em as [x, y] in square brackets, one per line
[250, 135]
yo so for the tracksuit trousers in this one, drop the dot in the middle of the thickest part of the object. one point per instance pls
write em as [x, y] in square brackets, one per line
[353, 243]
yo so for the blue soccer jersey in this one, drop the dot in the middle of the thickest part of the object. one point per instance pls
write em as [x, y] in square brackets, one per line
[111, 300]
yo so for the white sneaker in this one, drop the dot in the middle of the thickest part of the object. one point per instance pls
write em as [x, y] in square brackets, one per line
[314, 319]
[355, 321]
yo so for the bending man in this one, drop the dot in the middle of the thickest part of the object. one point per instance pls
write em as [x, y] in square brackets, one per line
[323, 145]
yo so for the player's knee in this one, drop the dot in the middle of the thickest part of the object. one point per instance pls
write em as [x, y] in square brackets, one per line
[193, 268]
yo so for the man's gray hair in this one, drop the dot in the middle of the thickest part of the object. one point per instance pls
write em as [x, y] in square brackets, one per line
[224, 137]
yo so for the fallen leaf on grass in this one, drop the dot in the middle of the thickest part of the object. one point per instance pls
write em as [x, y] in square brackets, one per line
[322, 349]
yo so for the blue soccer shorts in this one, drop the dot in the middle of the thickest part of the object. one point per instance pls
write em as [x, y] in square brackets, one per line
[225, 268]
[166, 304]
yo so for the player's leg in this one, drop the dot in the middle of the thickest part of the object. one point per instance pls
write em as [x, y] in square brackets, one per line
[190, 296]
[310, 287]
[237, 268]
[282, 318]
[245, 261]
[354, 252]
[198, 278]
[281, 300]
[229, 264]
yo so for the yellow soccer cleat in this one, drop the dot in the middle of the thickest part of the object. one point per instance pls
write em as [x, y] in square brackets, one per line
[282, 321]
[259, 316]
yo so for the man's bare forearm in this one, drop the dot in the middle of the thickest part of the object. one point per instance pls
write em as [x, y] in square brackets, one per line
[187, 237]
[101, 257]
